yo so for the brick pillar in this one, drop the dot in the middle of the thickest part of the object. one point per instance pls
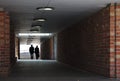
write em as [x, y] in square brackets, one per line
[112, 41]
[4, 43]
[117, 24]
[115, 40]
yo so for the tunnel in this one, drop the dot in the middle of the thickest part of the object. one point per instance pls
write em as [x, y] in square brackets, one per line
[87, 43]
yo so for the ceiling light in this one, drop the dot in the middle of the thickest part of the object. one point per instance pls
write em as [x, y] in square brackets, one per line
[45, 8]
[40, 19]
[35, 34]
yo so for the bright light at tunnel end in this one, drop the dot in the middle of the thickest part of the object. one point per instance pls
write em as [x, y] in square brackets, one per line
[34, 34]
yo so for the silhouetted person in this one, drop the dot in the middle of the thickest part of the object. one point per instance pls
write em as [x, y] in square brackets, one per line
[31, 50]
[37, 52]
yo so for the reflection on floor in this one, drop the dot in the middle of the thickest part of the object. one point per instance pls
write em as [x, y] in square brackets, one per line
[49, 70]
[26, 55]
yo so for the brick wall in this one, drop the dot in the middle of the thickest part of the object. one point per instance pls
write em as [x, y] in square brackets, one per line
[86, 45]
[47, 49]
[6, 44]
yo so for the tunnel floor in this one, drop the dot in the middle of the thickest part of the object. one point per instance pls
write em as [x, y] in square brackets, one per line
[49, 70]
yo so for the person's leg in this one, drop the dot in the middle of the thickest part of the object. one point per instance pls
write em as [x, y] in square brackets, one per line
[31, 56]
[36, 56]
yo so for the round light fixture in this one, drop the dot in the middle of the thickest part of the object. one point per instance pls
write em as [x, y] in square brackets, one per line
[40, 19]
[45, 8]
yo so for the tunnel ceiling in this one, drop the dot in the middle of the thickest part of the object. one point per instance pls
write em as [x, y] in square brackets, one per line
[65, 13]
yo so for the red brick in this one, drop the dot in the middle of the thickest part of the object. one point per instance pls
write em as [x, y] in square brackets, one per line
[5, 44]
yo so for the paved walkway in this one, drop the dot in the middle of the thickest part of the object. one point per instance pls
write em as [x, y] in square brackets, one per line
[28, 70]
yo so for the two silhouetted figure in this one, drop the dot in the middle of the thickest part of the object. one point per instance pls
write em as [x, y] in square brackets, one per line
[31, 50]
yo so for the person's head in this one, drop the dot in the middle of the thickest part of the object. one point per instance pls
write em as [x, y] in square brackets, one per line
[31, 45]
[37, 46]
